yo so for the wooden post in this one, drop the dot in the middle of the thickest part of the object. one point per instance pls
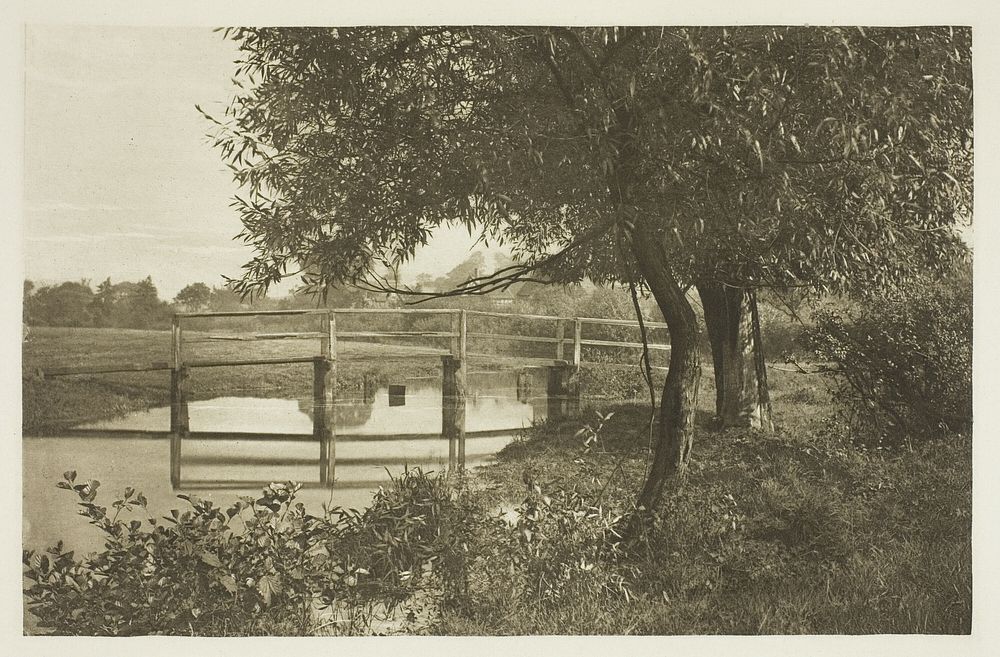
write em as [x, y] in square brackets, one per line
[175, 343]
[560, 335]
[563, 392]
[577, 337]
[463, 326]
[453, 409]
[180, 425]
[524, 385]
[331, 327]
[456, 329]
[570, 381]
[572, 386]
[454, 371]
[556, 393]
[324, 386]
[463, 361]
[328, 335]
[324, 397]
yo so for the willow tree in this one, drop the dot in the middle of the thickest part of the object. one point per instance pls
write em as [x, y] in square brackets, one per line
[659, 158]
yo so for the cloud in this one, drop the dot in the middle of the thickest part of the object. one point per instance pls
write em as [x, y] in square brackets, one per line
[214, 250]
[63, 239]
[94, 237]
[148, 240]
[64, 206]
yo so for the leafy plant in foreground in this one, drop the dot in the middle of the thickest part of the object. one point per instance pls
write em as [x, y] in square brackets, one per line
[260, 566]
[553, 547]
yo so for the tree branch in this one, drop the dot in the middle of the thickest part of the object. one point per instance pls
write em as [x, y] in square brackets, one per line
[498, 281]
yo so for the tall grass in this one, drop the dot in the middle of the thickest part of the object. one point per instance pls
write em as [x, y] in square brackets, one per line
[795, 533]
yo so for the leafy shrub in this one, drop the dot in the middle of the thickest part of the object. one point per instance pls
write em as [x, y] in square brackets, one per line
[904, 366]
[261, 566]
[554, 548]
[418, 526]
[600, 381]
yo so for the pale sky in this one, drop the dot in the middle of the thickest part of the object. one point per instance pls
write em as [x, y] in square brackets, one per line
[120, 179]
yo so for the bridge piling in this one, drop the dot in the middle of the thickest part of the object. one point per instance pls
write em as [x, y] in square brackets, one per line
[180, 424]
[563, 392]
[453, 397]
[324, 396]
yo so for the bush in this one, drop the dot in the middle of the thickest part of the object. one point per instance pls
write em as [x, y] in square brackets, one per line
[553, 557]
[261, 566]
[903, 366]
[420, 525]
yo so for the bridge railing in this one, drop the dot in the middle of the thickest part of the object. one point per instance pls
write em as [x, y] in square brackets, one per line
[565, 336]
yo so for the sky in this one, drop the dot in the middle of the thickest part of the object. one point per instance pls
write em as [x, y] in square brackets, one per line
[120, 179]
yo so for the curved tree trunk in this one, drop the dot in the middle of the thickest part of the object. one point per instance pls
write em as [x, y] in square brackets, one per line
[741, 394]
[675, 435]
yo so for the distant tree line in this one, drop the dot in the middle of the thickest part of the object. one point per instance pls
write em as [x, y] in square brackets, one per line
[126, 304]
[74, 303]
[137, 305]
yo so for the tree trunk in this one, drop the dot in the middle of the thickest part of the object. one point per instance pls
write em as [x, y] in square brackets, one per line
[675, 435]
[741, 394]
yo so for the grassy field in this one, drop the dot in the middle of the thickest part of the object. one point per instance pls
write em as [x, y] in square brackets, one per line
[56, 403]
[794, 532]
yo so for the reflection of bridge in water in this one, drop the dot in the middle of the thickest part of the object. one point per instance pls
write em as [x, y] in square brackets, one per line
[358, 434]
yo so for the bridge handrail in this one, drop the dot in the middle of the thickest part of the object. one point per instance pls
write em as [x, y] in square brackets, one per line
[622, 322]
[489, 313]
[251, 313]
[458, 334]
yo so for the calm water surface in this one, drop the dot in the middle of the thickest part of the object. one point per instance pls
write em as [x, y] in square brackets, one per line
[365, 456]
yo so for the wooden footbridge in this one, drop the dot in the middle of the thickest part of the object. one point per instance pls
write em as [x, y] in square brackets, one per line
[564, 335]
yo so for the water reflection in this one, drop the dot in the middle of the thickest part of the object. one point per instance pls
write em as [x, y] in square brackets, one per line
[368, 450]
[493, 404]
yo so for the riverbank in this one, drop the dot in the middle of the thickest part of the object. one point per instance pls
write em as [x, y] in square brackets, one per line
[791, 533]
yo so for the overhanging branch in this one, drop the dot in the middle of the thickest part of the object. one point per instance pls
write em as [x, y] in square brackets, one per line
[498, 281]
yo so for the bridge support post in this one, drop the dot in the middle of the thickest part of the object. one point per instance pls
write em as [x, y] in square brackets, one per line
[573, 390]
[324, 396]
[563, 392]
[577, 342]
[180, 424]
[324, 385]
[453, 409]
[524, 385]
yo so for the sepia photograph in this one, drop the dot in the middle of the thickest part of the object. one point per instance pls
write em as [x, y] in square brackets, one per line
[483, 329]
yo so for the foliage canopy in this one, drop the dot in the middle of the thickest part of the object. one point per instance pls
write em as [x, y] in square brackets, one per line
[785, 156]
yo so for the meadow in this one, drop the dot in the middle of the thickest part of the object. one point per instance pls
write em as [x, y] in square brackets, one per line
[58, 403]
